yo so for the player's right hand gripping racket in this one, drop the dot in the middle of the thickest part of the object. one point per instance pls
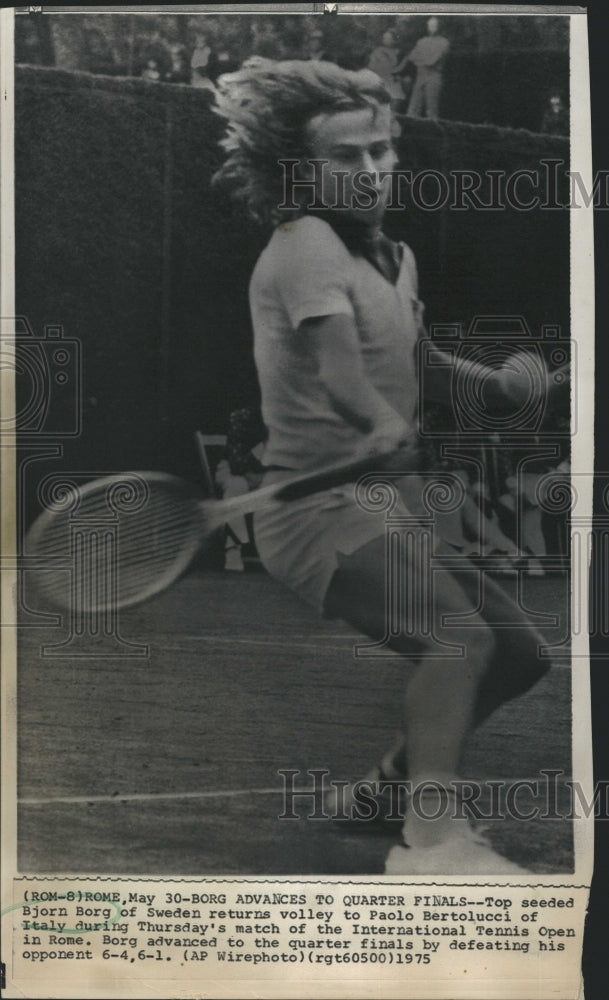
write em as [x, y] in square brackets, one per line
[120, 540]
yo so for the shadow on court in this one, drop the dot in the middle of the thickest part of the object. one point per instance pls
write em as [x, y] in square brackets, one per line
[169, 763]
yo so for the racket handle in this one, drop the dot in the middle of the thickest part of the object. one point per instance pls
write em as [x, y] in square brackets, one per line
[304, 483]
[324, 479]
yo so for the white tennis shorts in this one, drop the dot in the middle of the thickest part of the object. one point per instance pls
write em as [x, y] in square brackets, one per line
[299, 541]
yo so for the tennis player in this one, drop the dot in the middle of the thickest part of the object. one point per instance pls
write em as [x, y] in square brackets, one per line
[336, 319]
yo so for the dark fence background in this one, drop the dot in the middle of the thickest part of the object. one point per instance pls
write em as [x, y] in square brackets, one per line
[121, 241]
[503, 86]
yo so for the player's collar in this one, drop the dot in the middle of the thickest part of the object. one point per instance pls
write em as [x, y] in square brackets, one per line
[367, 241]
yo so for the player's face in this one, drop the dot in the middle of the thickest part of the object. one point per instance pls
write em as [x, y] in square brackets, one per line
[355, 147]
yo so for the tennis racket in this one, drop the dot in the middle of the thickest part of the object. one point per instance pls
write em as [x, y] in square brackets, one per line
[119, 540]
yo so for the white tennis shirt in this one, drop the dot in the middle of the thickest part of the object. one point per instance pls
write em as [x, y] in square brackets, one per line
[305, 271]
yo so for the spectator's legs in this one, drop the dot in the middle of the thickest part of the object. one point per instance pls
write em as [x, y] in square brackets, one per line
[415, 105]
[433, 88]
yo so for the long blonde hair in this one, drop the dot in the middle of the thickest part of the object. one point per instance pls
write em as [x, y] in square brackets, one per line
[267, 106]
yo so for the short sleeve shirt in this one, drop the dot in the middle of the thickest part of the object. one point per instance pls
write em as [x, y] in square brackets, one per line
[307, 271]
[429, 51]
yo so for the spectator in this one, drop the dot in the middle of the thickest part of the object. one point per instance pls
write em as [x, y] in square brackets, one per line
[428, 56]
[202, 63]
[555, 119]
[152, 71]
[267, 41]
[244, 440]
[179, 72]
[240, 472]
[384, 61]
[315, 45]
[351, 46]
[153, 57]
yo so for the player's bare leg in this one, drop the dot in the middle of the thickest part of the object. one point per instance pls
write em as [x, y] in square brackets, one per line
[514, 667]
[441, 693]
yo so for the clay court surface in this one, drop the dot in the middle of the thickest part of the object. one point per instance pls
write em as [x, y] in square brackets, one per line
[168, 763]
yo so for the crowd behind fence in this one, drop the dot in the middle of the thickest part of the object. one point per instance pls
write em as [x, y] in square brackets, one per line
[503, 70]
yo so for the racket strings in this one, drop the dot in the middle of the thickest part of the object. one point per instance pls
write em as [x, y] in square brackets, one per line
[88, 560]
[139, 538]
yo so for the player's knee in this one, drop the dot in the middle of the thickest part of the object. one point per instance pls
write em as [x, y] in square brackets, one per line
[473, 647]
